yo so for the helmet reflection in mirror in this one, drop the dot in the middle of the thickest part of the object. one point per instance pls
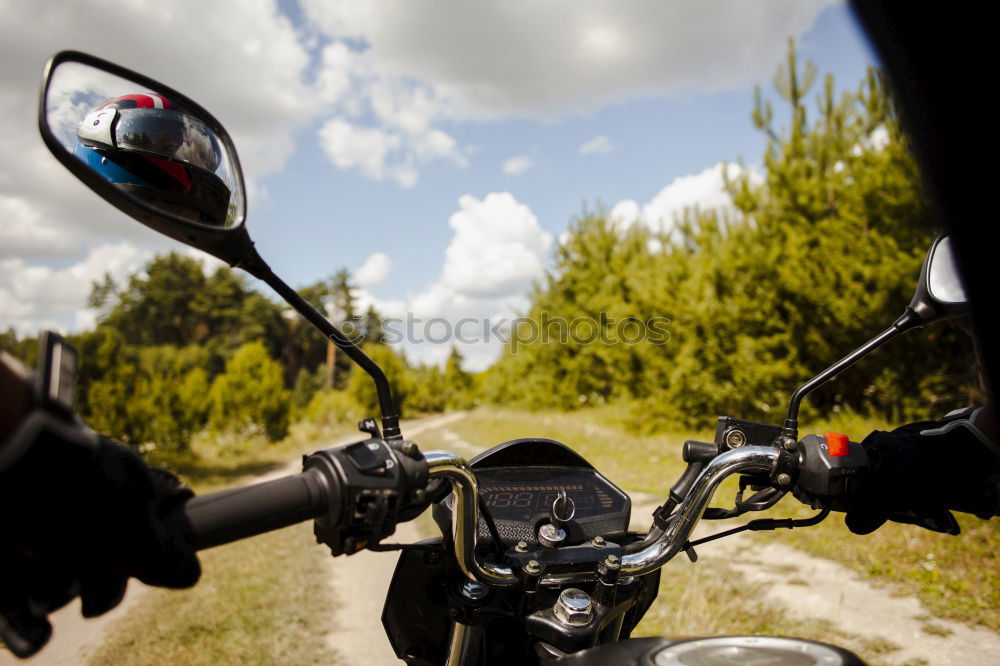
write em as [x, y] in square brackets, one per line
[157, 152]
[943, 282]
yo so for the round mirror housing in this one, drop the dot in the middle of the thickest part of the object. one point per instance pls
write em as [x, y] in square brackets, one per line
[150, 151]
[940, 294]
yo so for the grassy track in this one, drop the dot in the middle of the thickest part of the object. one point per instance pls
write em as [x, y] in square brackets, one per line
[261, 601]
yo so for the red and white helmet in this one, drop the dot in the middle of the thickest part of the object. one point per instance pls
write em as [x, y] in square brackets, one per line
[160, 153]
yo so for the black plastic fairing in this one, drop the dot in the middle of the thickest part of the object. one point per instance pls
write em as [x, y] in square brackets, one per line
[530, 451]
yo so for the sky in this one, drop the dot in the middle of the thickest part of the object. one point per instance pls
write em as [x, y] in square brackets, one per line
[435, 149]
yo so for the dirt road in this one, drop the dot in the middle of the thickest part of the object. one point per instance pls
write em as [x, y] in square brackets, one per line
[361, 581]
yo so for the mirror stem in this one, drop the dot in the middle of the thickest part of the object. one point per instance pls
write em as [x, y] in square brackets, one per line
[908, 320]
[255, 265]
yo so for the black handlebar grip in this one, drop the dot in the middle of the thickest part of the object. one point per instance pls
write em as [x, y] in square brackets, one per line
[695, 451]
[229, 515]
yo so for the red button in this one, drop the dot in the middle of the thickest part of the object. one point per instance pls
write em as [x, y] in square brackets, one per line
[837, 444]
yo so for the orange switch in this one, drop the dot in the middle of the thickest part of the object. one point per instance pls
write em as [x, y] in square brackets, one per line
[837, 444]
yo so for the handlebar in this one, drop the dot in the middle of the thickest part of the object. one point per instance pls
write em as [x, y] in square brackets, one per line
[748, 459]
[454, 468]
[355, 492]
[322, 491]
[218, 518]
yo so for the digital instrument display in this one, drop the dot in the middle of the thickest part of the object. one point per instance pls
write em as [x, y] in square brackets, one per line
[521, 493]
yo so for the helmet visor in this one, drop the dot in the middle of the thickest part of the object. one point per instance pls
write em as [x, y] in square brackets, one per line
[171, 134]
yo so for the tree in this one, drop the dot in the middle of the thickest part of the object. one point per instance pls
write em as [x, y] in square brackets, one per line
[112, 387]
[808, 266]
[307, 385]
[173, 302]
[458, 383]
[429, 391]
[25, 349]
[307, 348]
[565, 352]
[175, 387]
[250, 395]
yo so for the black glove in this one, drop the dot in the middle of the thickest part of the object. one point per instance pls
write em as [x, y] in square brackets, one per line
[79, 516]
[922, 470]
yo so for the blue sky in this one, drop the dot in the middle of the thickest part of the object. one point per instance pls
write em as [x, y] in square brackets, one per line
[656, 140]
[385, 127]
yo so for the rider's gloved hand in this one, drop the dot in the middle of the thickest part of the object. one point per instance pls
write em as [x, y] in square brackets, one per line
[79, 518]
[921, 471]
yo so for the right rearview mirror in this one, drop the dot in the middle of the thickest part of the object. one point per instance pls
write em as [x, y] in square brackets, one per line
[940, 294]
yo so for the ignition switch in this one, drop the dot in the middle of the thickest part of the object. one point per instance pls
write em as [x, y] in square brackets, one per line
[561, 512]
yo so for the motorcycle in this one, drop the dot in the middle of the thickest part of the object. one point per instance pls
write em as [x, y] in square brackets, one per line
[535, 562]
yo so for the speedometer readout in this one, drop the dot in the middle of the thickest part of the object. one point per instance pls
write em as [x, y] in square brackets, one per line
[522, 492]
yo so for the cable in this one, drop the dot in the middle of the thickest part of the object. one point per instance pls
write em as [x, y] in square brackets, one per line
[492, 527]
[759, 525]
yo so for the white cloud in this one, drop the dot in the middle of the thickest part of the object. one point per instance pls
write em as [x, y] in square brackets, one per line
[35, 296]
[400, 116]
[379, 153]
[515, 166]
[334, 81]
[599, 145]
[625, 213]
[411, 67]
[498, 249]
[209, 264]
[523, 57]
[374, 271]
[24, 233]
[349, 146]
[876, 141]
[706, 190]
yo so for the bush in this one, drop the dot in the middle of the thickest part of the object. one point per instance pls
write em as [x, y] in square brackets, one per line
[429, 392]
[307, 386]
[332, 408]
[250, 395]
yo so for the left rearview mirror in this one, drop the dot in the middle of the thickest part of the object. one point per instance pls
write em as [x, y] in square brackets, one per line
[148, 150]
[163, 159]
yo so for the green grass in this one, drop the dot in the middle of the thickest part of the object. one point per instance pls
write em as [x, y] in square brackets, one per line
[265, 600]
[954, 577]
